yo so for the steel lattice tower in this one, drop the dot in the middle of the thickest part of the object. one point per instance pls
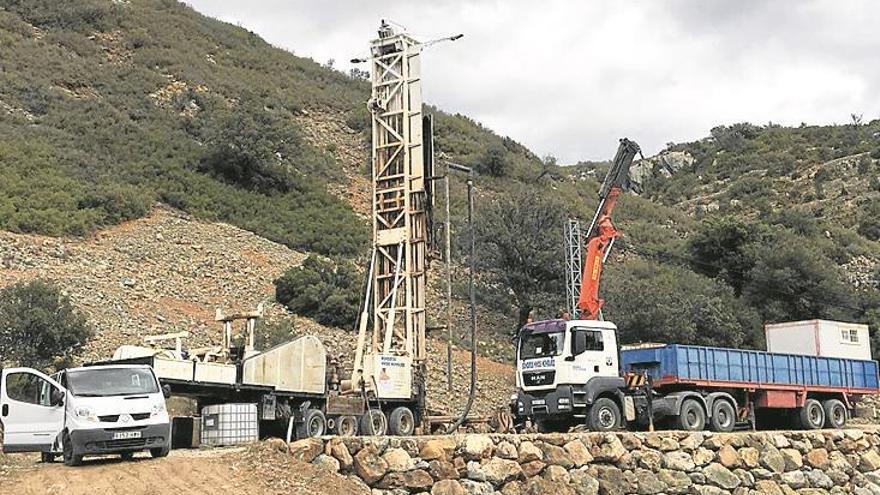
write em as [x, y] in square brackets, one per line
[574, 263]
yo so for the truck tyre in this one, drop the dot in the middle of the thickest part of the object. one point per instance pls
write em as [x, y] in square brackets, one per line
[314, 424]
[401, 422]
[811, 416]
[604, 415]
[70, 459]
[160, 452]
[692, 416]
[374, 423]
[835, 413]
[723, 416]
[347, 426]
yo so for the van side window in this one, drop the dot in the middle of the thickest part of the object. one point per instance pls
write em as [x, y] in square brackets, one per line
[29, 388]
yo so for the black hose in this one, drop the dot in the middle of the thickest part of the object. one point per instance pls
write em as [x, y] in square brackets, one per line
[473, 311]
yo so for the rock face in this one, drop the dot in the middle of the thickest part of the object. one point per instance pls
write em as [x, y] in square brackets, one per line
[806, 463]
[662, 165]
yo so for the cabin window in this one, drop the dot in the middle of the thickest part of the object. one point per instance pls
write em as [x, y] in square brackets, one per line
[849, 336]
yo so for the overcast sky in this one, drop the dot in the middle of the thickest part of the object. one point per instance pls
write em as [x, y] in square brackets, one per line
[570, 77]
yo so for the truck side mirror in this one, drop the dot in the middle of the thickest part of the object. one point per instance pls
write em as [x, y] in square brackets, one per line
[166, 391]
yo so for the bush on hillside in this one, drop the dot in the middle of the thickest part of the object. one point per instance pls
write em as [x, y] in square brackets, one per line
[269, 334]
[519, 248]
[791, 280]
[38, 325]
[720, 249]
[869, 221]
[494, 161]
[650, 302]
[327, 291]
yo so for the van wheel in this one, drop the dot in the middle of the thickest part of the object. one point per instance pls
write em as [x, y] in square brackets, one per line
[835, 413]
[126, 456]
[401, 422]
[723, 416]
[604, 415]
[314, 424]
[160, 452]
[692, 416]
[374, 423]
[70, 459]
[811, 416]
[47, 457]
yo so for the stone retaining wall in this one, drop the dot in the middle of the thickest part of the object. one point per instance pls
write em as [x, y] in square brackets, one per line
[616, 463]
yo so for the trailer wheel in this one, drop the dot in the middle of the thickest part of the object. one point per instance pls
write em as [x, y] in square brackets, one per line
[604, 415]
[402, 422]
[347, 426]
[811, 416]
[723, 416]
[314, 424]
[692, 416]
[374, 423]
[835, 413]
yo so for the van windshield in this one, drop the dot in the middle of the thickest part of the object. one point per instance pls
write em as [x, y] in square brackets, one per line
[105, 382]
[543, 344]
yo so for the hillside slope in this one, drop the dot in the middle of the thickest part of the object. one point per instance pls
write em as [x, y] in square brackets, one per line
[169, 272]
[145, 101]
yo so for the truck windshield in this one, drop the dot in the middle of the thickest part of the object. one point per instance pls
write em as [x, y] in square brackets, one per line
[105, 382]
[544, 344]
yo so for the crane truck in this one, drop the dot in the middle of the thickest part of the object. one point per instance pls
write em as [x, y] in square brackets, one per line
[574, 372]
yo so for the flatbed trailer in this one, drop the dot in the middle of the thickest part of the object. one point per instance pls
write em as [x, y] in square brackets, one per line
[763, 387]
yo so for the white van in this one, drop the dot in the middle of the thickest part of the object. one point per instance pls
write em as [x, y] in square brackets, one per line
[96, 410]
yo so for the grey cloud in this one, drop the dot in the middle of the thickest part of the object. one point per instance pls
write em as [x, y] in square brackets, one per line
[569, 78]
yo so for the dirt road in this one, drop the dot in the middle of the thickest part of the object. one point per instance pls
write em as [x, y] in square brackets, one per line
[258, 470]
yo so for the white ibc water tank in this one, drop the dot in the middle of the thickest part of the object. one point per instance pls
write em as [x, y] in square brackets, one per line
[229, 424]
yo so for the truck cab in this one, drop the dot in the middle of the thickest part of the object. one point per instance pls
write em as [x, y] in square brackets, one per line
[116, 409]
[567, 371]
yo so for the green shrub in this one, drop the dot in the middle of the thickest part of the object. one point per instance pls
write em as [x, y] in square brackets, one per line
[327, 291]
[651, 302]
[269, 334]
[38, 325]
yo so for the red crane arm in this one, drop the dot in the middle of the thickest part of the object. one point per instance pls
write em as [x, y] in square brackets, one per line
[602, 233]
[589, 302]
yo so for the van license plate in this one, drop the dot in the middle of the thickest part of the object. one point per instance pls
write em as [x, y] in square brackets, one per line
[125, 435]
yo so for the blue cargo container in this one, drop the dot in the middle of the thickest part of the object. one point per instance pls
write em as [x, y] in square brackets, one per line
[719, 367]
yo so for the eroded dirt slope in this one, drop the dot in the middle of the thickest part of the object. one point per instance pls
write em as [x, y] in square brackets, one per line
[168, 272]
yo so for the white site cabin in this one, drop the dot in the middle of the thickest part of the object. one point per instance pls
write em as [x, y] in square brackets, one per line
[823, 338]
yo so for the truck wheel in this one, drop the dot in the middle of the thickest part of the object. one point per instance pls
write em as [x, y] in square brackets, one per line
[604, 415]
[374, 423]
[401, 422]
[723, 416]
[692, 416]
[70, 459]
[314, 424]
[811, 416]
[347, 426]
[835, 413]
